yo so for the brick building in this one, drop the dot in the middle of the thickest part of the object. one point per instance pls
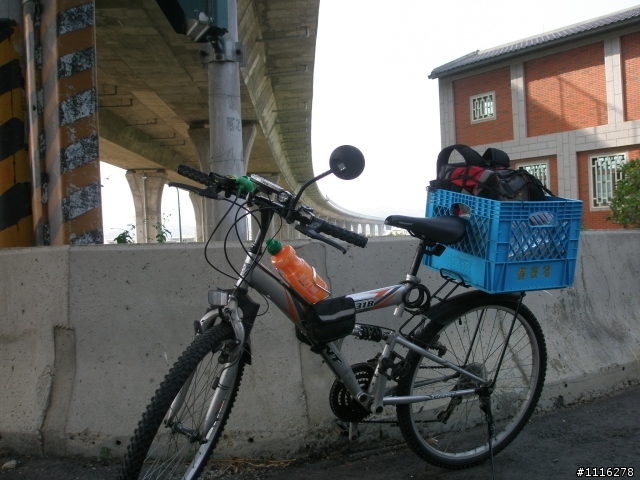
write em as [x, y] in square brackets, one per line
[564, 105]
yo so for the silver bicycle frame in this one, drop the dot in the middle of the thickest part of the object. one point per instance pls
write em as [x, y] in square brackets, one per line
[260, 278]
[267, 283]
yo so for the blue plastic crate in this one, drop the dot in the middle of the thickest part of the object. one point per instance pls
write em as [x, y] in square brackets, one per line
[510, 246]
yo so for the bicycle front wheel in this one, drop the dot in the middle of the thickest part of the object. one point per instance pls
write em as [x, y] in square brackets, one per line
[170, 441]
[452, 432]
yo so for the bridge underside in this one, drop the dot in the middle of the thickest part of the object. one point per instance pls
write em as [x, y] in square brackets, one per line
[153, 92]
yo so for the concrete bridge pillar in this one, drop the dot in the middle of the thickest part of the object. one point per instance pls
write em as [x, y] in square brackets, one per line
[291, 232]
[282, 231]
[202, 208]
[16, 221]
[62, 105]
[206, 220]
[198, 203]
[146, 189]
[249, 133]
[225, 126]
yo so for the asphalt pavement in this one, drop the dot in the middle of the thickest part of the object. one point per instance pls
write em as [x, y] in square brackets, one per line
[600, 438]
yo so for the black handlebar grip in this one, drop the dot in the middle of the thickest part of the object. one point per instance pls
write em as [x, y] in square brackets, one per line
[195, 175]
[343, 234]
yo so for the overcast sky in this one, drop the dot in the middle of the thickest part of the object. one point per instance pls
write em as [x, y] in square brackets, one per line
[371, 90]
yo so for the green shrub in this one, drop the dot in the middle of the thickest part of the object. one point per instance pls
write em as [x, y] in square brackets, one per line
[625, 203]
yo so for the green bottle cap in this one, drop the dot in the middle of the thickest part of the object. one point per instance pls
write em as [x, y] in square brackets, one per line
[245, 184]
[273, 246]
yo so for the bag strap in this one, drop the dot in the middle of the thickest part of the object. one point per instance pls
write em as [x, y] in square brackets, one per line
[494, 156]
[471, 157]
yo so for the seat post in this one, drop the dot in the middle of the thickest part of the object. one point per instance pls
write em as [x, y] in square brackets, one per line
[417, 260]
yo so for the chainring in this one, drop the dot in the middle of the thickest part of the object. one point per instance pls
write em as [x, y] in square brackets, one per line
[345, 407]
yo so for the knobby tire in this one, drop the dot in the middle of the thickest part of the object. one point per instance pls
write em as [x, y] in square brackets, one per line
[145, 458]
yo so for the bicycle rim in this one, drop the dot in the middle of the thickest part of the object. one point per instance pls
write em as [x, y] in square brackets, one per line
[452, 432]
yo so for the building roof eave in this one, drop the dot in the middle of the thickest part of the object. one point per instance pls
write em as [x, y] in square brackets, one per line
[554, 39]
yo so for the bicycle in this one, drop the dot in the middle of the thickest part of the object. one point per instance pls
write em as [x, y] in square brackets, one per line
[468, 377]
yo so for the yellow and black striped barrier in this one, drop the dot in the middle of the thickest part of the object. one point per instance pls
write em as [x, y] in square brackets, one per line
[70, 117]
[15, 187]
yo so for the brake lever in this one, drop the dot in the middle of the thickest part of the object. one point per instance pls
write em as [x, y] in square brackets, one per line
[209, 192]
[310, 231]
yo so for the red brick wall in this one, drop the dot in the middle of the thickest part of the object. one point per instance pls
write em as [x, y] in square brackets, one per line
[630, 60]
[489, 131]
[566, 91]
[553, 168]
[597, 219]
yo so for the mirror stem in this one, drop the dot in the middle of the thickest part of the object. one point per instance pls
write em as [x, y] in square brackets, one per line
[314, 179]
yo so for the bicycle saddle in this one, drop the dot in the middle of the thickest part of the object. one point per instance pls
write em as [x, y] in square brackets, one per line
[445, 230]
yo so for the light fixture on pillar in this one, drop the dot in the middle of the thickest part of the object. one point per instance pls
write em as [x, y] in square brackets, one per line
[202, 22]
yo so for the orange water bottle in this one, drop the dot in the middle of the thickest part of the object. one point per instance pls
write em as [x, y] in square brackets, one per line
[296, 272]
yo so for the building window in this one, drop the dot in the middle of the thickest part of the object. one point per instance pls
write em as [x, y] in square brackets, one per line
[605, 172]
[540, 170]
[483, 107]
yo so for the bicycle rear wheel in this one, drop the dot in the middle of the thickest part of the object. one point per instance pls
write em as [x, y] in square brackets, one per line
[452, 432]
[168, 441]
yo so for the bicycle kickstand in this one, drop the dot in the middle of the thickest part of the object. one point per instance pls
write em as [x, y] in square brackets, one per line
[485, 406]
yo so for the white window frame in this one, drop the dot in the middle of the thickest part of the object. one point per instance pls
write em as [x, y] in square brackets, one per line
[471, 109]
[593, 207]
[539, 162]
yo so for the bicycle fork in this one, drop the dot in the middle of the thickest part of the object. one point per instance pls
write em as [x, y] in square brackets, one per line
[222, 384]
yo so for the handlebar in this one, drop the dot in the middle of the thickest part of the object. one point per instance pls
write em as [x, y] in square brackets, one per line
[195, 175]
[343, 234]
[308, 224]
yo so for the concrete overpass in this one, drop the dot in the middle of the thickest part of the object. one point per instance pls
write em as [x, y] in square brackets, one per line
[154, 102]
[111, 80]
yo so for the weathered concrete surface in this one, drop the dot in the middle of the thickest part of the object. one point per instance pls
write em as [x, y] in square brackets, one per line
[553, 446]
[131, 310]
[33, 299]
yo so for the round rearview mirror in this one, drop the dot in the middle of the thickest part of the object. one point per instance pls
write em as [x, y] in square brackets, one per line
[346, 162]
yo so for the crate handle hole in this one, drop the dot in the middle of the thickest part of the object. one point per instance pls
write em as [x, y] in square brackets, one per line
[540, 219]
[461, 210]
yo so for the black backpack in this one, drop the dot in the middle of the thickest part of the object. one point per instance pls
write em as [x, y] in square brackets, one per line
[486, 176]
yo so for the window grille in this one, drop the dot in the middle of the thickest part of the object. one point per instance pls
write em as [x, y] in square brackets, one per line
[606, 171]
[483, 107]
[540, 171]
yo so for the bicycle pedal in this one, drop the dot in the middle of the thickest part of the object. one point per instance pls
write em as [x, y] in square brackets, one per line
[341, 428]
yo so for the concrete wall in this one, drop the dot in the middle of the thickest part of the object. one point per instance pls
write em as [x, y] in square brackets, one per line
[87, 333]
